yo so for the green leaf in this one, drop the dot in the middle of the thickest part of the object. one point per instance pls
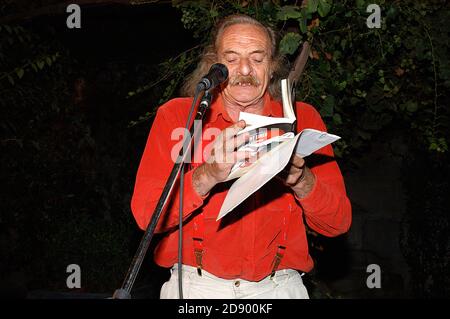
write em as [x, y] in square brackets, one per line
[341, 85]
[444, 71]
[10, 79]
[354, 100]
[377, 107]
[364, 135]
[324, 7]
[311, 7]
[360, 4]
[288, 12]
[411, 106]
[337, 119]
[213, 13]
[303, 21]
[290, 43]
[328, 106]
[40, 64]
[49, 61]
[20, 72]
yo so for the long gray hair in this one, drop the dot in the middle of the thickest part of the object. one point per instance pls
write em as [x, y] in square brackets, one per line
[209, 56]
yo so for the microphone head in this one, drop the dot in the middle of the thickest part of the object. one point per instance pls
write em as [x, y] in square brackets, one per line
[218, 73]
[221, 72]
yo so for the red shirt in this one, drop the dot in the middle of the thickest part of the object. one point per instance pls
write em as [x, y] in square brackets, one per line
[242, 244]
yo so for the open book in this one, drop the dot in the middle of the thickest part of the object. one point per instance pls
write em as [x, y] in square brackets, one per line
[272, 141]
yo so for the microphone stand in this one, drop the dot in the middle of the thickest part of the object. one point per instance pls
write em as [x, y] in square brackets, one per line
[125, 291]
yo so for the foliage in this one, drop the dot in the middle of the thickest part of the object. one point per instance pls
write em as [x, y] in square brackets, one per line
[370, 79]
[359, 78]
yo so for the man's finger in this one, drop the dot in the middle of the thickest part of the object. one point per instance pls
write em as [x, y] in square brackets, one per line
[241, 139]
[231, 131]
[242, 155]
[291, 169]
[297, 161]
[235, 142]
[292, 179]
[294, 169]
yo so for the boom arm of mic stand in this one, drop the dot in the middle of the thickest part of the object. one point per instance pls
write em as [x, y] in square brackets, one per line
[125, 291]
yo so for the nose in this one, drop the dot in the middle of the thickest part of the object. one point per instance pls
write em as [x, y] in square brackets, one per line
[244, 67]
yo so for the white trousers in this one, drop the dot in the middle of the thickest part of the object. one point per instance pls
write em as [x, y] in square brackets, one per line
[285, 284]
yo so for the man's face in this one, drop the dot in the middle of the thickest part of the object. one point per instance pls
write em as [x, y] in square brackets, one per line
[245, 50]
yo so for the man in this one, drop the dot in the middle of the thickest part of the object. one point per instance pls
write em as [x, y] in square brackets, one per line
[258, 249]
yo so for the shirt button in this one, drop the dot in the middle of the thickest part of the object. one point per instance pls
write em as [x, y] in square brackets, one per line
[237, 283]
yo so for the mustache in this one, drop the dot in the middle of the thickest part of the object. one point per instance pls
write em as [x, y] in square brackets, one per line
[247, 79]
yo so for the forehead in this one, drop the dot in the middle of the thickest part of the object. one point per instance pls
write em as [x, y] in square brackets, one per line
[244, 37]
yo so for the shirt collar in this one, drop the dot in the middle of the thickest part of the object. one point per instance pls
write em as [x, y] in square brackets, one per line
[271, 108]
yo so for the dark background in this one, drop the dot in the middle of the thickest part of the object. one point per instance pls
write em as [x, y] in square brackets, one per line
[69, 159]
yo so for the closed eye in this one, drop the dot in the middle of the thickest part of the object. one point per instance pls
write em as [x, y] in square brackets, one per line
[258, 57]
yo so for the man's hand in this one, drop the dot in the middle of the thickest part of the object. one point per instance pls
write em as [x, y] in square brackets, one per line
[298, 177]
[223, 156]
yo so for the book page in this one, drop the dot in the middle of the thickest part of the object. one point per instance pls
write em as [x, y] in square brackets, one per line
[270, 164]
[256, 149]
[265, 133]
[312, 140]
[263, 171]
[286, 94]
[254, 121]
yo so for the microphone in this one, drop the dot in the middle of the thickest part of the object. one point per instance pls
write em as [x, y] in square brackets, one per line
[218, 73]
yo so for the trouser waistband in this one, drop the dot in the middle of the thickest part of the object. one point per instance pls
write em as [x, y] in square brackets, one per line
[193, 270]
